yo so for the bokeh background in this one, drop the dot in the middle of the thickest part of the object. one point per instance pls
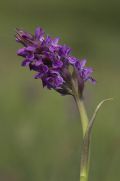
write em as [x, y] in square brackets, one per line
[40, 131]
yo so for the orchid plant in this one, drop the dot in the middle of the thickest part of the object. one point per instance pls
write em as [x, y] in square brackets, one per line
[66, 74]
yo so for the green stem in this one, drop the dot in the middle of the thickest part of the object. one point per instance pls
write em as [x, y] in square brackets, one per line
[85, 154]
[83, 115]
[81, 107]
[83, 178]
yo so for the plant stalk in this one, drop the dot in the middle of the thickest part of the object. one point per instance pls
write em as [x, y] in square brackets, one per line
[83, 115]
[85, 153]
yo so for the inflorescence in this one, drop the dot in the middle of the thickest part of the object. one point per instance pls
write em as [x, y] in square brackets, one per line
[52, 62]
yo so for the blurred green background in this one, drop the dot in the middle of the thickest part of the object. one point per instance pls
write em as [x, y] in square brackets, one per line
[40, 131]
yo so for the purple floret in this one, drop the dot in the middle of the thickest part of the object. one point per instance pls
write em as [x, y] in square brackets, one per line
[51, 61]
[84, 72]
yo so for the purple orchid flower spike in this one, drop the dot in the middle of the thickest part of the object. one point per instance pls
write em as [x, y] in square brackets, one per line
[51, 61]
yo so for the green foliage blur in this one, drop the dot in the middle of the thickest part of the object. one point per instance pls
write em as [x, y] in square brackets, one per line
[40, 131]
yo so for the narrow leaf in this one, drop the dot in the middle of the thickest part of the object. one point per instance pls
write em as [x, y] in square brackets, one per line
[86, 141]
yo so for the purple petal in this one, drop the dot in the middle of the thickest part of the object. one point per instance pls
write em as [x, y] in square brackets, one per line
[48, 40]
[57, 64]
[58, 81]
[54, 82]
[21, 51]
[52, 49]
[92, 80]
[37, 76]
[23, 35]
[30, 49]
[54, 73]
[38, 62]
[44, 68]
[82, 63]
[72, 60]
[64, 50]
[39, 34]
[88, 72]
[78, 65]
[55, 41]
[26, 62]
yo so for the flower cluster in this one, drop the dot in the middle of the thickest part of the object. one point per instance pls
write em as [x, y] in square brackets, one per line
[51, 61]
